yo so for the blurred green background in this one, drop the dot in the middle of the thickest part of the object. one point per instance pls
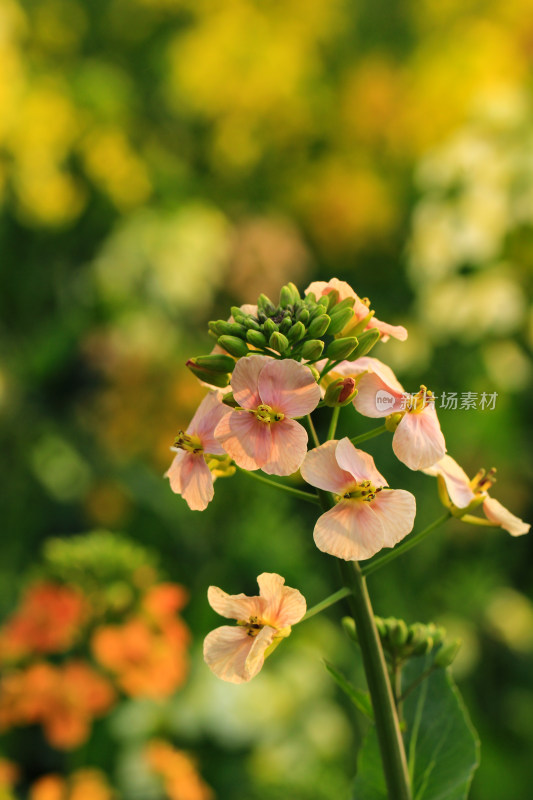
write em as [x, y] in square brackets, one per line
[161, 160]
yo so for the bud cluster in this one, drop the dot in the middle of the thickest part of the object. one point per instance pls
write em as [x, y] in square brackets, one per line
[302, 328]
[401, 641]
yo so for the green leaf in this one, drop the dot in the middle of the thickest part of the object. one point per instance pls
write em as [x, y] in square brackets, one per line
[359, 698]
[441, 745]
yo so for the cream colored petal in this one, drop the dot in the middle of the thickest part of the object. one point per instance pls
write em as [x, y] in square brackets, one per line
[418, 440]
[283, 606]
[234, 606]
[287, 447]
[256, 656]
[456, 480]
[358, 463]
[495, 512]
[226, 650]
[244, 380]
[320, 469]
[397, 510]
[350, 530]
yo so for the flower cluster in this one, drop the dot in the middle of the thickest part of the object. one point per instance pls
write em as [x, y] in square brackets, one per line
[272, 366]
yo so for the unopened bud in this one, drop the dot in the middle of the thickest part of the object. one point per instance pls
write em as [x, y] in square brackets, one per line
[210, 376]
[340, 392]
[265, 304]
[230, 329]
[340, 349]
[285, 324]
[287, 296]
[315, 373]
[312, 350]
[333, 298]
[349, 626]
[381, 627]
[446, 655]
[323, 301]
[398, 633]
[303, 316]
[229, 400]
[296, 332]
[270, 327]
[339, 320]
[278, 342]
[256, 338]
[367, 340]
[216, 361]
[319, 326]
[234, 346]
[393, 420]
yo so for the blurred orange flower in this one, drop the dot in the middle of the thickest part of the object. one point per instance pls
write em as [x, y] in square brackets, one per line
[85, 784]
[178, 771]
[64, 700]
[47, 622]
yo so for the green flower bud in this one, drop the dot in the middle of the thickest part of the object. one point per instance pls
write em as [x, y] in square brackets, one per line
[393, 420]
[446, 655]
[310, 298]
[210, 376]
[265, 304]
[285, 324]
[340, 349]
[229, 400]
[333, 298]
[287, 296]
[349, 626]
[278, 342]
[236, 311]
[380, 625]
[339, 320]
[217, 362]
[270, 327]
[230, 329]
[367, 340]
[296, 332]
[319, 326]
[398, 634]
[256, 338]
[251, 324]
[340, 392]
[295, 292]
[303, 316]
[323, 301]
[348, 302]
[236, 347]
[315, 373]
[312, 350]
[213, 327]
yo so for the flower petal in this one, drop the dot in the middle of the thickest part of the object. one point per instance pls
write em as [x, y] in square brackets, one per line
[320, 288]
[245, 439]
[196, 482]
[234, 606]
[256, 656]
[397, 510]
[350, 530]
[288, 446]
[173, 473]
[379, 392]
[203, 424]
[321, 469]
[226, 650]
[358, 463]
[289, 387]
[386, 330]
[283, 606]
[456, 480]
[418, 440]
[495, 512]
[245, 378]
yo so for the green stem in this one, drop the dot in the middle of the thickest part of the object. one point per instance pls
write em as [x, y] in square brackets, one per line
[333, 423]
[329, 601]
[363, 437]
[312, 430]
[377, 676]
[406, 545]
[311, 498]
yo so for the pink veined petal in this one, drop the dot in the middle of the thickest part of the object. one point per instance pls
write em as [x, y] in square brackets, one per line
[321, 469]
[456, 480]
[418, 441]
[226, 650]
[379, 392]
[245, 378]
[397, 510]
[349, 369]
[245, 439]
[289, 387]
[283, 606]
[495, 512]
[351, 531]
[256, 656]
[386, 330]
[320, 288]
[173, 473]
[196, 482]
[288, 446]
[358, 463]
[203, 424]
[234, 606]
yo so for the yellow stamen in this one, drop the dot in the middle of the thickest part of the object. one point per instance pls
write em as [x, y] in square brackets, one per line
[192, 444]
[483, 480]
[365, 491]
[420, 400]
[264, 413]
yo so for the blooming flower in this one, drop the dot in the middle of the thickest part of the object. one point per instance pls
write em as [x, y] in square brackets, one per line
[262, 433]
[418, 440]
[361, 309]
[236, 653]
[189, 474]
[367, 515]
[463, 492]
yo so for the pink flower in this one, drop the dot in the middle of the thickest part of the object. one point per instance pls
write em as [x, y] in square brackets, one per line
[189, 473]
[418, 439]
[262, 433]
[367, 515]
[236, 653]
[361, 309]
[463, 492]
